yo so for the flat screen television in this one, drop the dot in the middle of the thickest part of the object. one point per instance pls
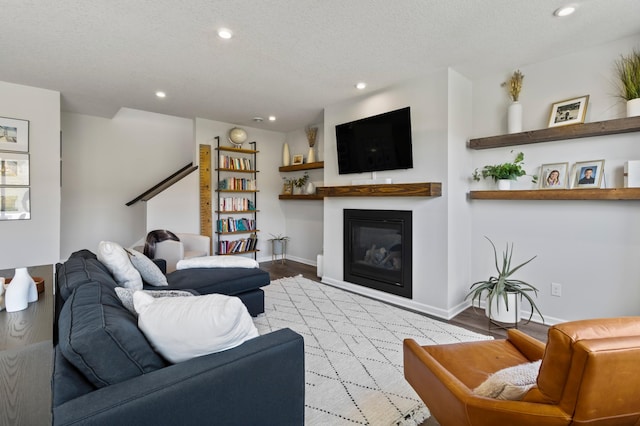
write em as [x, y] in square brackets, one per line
[380, 142]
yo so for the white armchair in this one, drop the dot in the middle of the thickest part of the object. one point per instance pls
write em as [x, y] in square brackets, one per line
[189, 246]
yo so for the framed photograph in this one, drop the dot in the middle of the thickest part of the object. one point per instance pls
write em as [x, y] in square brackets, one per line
[554, 176]
[14, 169]
[14, 135]
[587, 174]
[297, 159]
[14, 203]
[571, 111]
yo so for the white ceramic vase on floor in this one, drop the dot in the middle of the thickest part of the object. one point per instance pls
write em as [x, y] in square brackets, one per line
[20, 291]
[633, 107]
[499, 311]
[514, 118]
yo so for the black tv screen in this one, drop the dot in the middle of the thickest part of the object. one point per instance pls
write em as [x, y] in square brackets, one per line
[380, 142]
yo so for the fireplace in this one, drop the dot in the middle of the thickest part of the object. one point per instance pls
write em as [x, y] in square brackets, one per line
[377, 250]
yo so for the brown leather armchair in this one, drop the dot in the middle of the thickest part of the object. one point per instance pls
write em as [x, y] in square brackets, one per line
[590, 375]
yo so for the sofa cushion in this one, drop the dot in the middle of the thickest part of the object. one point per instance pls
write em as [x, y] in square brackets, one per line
[149, 271]
[101, 338]
[217, 262]
[229, 281]
[116, 259]
[181, 328]
[80, 270]
[126, 296]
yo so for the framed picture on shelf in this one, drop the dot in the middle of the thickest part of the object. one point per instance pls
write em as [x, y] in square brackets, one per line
[297, 159]
[14, 135]
[14, 169]
[571, 111]
[14, 203]
[587, 174]
[554, 176]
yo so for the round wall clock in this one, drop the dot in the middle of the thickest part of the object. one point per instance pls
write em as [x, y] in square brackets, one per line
[237, 136]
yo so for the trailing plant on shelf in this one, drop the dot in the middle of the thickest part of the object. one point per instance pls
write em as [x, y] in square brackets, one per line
[510, 171]
[301, 181]
[628, 71]
[500, 286]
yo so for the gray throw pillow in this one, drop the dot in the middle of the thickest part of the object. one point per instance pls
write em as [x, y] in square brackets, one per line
[149, 271]
[126, 296]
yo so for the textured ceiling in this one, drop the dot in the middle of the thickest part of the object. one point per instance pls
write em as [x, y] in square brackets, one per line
[288, 58]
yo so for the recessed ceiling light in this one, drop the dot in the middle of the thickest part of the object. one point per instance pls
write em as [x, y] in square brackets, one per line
[272, 118]
[161, 94]
[258, 119]
[225, 33]
[564, 11]
[361, 85]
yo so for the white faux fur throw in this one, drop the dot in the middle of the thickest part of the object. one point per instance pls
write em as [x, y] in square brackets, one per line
[217, 262]
[510, 383]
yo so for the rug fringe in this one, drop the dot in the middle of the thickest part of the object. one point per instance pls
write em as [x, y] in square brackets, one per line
[414, 417]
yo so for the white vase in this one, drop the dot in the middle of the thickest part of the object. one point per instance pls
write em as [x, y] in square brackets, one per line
[286, 157]
[20, 291]
[310, 188]
[499, 311]
[514, 117]
[504, 184]
[633, 107]
[311, 155]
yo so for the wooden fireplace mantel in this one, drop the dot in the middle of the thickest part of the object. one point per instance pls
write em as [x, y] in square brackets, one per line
[419, 189]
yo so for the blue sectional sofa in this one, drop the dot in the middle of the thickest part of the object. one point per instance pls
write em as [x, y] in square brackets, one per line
[106, 372]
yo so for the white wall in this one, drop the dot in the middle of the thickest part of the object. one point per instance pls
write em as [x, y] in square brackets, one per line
[108, 162]
[35, 241]
[428, 99]
[177, 208]
[270, 217]
[592, 248]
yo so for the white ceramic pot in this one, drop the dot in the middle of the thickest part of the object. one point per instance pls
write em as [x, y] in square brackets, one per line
[633, 107]
[20, 291]
[310, 188]
[286, 157]
[504, 184]
[311, 155]
[514, 118]
[499, 311]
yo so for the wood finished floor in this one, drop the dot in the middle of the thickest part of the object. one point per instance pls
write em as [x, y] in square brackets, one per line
[470, 319]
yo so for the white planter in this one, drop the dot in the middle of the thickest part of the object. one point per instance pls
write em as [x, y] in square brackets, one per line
[633, 108]
[499, 311]
[20, 291]
[310, 188]
[286, 157]
[514, 118]
[504, 184]
[311, 155]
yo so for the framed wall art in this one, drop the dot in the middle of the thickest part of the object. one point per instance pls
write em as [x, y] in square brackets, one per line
[571, 111]
[15, 203]
[14, 169]
[14, 135]
[587, 174]
[554, 176]
[297, 159]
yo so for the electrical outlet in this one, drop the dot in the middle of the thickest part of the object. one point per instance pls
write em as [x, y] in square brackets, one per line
[556, 289]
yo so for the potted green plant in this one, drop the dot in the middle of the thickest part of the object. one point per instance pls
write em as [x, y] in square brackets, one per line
[504, 173]
[278, 244]
[628, 71]
[502, 291]
[300, 182]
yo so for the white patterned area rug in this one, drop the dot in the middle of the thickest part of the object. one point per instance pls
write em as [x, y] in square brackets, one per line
[353, 351]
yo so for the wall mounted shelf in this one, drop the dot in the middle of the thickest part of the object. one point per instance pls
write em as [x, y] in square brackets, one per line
[421, 189]
[559, 194]
[300, 197]
[306, 166]
[574, 131]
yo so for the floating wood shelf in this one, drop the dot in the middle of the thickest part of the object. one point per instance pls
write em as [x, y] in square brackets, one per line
[559, 194]
[239, 150]
[422, 189]
[306, 166]
[300, 197]
[598, 128]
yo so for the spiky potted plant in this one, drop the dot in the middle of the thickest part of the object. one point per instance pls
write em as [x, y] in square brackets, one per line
[628, 71]
[503, 291]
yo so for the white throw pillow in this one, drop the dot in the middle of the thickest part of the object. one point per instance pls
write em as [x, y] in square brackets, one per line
[217, 262]
[116, 259]
[181, 328]
[126, 296]
[149, 271]
[510, 383]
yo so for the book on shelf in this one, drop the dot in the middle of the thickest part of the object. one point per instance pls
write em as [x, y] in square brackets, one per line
[229, 204]
[238, 184]
[234, 163]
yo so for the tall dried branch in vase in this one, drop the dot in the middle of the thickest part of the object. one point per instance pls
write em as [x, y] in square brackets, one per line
[514, 85]
[312, 132]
